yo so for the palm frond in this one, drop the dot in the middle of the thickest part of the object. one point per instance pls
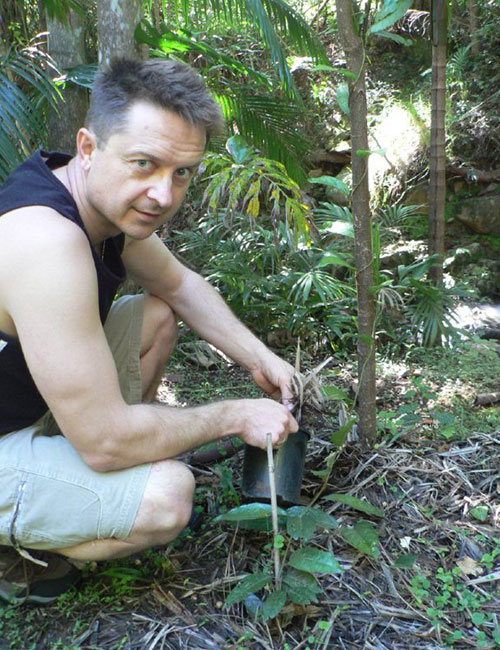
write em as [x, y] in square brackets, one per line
[269, 124]
[24, 87]
[183, 41]
[276, 21]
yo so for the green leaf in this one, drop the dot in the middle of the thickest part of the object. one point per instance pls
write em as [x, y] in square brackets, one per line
[363, 536]
[478, 618]
[249, 585]
[329, 68]
[357, 504]
[301, 587]
[301, 522]
[331, 181]
[332, 258]
[390, 12]
[239, 149]
[342, 95]
[405, 561]
[314, 560]
[249, 511]
[273, 604]
[340, 228]
[339, 437]
[395, 37]
[279, 541]
[334, 393]
[364, 153]
[480, 513]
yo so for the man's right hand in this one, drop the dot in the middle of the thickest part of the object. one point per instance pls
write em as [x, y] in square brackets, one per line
[258, 417]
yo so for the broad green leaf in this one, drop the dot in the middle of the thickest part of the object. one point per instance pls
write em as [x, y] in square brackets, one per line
[340, 228]
[273, 604]
[342, 95]
[395, 37]
[405, 561]
[249, 511]
[480, 513]
[314, 560]
[301, 522]
[334, 393]
[357, 504]
[332, 258]
[363, 536]
[249, 585]
[331, 181]
[339, 437]
[301, 586]
[390, 12]
[239, 149]
[329, 68]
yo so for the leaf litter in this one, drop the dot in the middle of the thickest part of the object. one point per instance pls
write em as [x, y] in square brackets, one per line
[426, 488]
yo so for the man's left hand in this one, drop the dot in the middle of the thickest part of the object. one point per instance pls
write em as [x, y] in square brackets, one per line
[274, 376]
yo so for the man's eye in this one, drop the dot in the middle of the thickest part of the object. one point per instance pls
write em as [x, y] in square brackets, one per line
[184, 172]
[143, 164]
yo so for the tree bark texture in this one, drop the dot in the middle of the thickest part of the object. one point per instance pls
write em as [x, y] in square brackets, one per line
[473, 22]
[355, 57]
[437, 163]
[116, 23]
[67, 48]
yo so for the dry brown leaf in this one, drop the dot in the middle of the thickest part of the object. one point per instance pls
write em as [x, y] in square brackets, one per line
[470, 567]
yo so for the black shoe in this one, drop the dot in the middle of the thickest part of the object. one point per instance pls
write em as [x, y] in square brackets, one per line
[23, 581]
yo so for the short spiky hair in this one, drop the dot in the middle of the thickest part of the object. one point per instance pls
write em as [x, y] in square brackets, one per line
[169, 84]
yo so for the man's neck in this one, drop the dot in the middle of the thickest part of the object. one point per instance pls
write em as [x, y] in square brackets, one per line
[74, 180]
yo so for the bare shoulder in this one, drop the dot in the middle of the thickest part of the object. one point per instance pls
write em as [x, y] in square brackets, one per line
[37, 226]
[36, 237]
[42, 254]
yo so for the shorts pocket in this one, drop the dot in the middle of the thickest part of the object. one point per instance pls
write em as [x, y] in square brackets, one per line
[55, 513]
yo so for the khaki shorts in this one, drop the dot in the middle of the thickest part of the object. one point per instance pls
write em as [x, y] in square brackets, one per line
[49, 498]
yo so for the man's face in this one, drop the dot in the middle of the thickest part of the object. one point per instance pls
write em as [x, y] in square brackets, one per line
[139, 178]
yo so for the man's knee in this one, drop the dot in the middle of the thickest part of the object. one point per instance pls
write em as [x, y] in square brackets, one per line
[166, 504]
[159, 323]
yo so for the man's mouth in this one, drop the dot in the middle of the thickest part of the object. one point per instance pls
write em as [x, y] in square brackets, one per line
[149, 215]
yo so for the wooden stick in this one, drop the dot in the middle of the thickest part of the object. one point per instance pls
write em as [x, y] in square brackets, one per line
[274, 508]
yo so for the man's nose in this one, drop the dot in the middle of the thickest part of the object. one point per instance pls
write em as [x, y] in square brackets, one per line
[161, 192]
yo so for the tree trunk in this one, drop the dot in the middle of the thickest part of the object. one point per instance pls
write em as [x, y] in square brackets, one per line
[354, 51]
[472, 4]
[437, 165]
[116, 23]
[67, 48]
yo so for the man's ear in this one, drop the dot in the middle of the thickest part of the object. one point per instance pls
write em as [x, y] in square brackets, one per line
[86, 143]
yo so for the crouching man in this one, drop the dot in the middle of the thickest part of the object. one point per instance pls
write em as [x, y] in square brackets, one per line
[87, 463]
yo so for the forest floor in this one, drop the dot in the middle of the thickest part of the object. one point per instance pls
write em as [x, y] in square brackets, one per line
[431, 580]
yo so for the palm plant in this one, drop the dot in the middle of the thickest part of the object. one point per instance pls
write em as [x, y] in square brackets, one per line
[26, 91]
[265, 108]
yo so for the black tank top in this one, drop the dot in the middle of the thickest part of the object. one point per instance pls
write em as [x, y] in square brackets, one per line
[32, 183]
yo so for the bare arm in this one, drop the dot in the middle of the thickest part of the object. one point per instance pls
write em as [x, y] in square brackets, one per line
[49, 289]
[204, 311]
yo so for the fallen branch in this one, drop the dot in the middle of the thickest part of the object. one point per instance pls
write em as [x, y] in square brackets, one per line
[486, 399]
[224, 449]
[473, 175]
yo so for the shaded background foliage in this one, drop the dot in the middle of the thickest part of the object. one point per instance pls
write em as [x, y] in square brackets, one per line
[282, 87]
